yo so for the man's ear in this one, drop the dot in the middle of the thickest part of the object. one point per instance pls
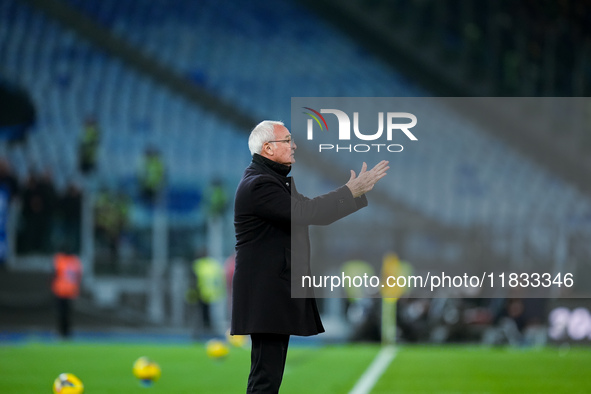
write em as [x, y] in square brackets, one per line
[269, 149]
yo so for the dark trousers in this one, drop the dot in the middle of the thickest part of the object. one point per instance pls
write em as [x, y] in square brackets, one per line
[267, 362]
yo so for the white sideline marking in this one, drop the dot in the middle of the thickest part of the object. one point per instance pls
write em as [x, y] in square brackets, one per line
[374, 371]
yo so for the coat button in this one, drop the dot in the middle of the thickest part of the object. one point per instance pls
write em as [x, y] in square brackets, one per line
[287, 183]
[341, 200]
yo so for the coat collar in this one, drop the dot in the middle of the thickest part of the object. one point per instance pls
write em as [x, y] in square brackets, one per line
[277, 168]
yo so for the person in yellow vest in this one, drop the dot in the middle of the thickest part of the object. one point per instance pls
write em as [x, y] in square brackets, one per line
[217, 199]
[111, 212]
[152, 175]
[360, 307]
[211, 286]
[88, 146]
[66, 287]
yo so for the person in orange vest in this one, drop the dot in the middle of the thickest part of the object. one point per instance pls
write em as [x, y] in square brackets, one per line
[66, 287]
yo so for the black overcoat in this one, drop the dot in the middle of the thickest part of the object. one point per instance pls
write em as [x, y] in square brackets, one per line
[268, 214]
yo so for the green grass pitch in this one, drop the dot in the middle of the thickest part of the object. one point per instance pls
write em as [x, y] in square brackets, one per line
[464, 369]
[106, 368]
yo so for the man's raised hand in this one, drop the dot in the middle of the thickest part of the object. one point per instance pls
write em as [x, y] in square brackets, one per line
[359, 185]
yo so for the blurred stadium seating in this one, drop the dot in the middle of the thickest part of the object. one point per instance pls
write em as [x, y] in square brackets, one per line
[70, 79]
[220, 48]
[257, 56]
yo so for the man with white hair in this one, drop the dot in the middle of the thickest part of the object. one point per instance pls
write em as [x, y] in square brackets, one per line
[271, 217]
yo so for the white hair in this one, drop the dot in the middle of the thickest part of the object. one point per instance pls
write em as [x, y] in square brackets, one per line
[263, 132]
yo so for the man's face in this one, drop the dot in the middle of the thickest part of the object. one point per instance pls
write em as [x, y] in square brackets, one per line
[283, 149]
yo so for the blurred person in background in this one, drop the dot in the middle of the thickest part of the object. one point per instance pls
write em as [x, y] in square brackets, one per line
[8, 181]
[362, 311]
[31, 204]
[38, 205]
[111, 220]
[66, 287]
[152, 176]
[229, 266]
[88, 146]
[266, 205]
[9, 189]
[210, 286]
[518, 322]
[47, 219]
[70, 210]
[217, 199]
